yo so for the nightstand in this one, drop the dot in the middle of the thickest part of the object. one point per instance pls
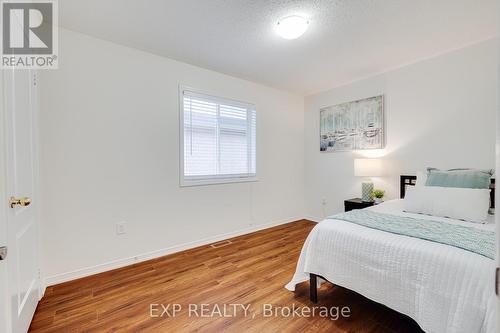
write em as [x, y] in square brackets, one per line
[356, 203]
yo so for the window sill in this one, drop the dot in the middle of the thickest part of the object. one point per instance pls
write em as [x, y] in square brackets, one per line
[204, 182]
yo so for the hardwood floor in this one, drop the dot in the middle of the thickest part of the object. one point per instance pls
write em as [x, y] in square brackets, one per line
[251, 270]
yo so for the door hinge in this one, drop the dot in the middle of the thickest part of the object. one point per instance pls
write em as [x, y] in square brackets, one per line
[497, 272]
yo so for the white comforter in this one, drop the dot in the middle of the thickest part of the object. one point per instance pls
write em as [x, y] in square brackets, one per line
[443, 288]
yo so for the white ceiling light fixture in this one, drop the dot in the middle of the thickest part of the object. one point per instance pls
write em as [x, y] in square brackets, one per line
[292, 27]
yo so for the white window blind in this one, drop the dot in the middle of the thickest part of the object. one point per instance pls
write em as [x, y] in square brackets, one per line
[218, 139]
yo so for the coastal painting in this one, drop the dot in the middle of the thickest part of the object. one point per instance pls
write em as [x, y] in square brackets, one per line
[354, 125]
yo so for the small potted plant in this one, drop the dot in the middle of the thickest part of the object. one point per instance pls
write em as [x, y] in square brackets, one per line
[378, 195]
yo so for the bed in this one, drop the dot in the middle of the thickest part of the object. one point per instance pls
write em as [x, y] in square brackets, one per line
[443, 288]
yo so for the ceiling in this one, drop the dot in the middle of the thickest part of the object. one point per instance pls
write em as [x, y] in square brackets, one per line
[346, 40]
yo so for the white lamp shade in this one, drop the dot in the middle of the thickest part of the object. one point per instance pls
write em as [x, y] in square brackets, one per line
[368, 167]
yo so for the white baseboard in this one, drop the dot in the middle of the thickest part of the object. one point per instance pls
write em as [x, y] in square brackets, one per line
[314, 218]
[83, 272]
[43, 288]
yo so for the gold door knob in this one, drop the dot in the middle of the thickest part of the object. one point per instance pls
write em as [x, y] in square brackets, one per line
[21, 202]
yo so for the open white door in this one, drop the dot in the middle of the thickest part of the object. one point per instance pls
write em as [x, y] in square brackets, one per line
[4, 314]
[20, 107]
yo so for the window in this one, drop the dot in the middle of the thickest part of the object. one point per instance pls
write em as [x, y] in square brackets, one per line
[218, 140]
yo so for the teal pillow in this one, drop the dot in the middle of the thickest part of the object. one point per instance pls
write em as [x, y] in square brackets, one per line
[464, 178]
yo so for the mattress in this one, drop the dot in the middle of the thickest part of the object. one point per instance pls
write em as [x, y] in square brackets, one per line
[443, 288]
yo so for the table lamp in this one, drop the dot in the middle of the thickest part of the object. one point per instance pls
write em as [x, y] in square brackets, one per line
[367, 167]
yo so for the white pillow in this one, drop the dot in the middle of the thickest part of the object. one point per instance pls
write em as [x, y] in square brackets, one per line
[469, 204]
[421, 178]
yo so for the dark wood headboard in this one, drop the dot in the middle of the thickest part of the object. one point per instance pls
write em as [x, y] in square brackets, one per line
[406, 180]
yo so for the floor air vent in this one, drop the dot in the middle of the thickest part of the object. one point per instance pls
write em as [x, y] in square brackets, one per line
[221, 244]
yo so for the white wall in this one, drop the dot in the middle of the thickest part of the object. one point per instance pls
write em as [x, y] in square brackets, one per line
[439, 112]
[110, 148]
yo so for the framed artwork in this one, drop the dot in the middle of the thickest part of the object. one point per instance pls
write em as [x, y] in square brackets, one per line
[353, 125]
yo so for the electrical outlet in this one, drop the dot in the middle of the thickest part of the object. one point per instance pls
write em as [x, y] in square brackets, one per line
[120, 228]
[323, 202]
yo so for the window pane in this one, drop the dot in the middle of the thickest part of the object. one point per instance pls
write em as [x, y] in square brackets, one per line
[200, 138]
[233, 140]
[233, 153]
[252, 124]
[219, 138]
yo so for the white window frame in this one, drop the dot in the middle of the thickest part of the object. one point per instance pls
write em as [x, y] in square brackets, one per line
[222, 179]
